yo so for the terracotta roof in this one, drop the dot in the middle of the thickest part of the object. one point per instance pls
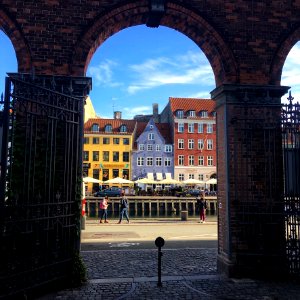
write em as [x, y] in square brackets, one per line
[165, 131]
[187, 104]
[115, 123]
[140, 128]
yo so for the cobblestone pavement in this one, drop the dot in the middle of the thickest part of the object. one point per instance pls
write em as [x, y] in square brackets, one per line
[186, 274]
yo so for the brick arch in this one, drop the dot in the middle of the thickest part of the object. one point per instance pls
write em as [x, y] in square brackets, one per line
[177, 17]
[19, 43]
[281, 55]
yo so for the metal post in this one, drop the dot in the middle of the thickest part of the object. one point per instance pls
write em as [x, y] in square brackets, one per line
[159, 242]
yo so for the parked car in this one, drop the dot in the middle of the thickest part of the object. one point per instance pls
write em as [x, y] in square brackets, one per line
[110, 192]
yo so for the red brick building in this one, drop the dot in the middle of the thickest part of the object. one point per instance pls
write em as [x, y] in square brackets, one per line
[193, 123]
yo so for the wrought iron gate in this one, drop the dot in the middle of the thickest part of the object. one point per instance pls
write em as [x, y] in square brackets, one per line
[291, 155]
[40, 183]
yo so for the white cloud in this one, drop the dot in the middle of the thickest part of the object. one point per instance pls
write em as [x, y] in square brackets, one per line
[130, 112]
[103, 73]
[291, 69]
[192, 68]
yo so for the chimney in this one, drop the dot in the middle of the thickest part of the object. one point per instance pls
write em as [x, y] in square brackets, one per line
[155, 112]
[117, 115]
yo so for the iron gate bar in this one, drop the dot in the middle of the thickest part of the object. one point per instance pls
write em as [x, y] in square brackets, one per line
[41, 172]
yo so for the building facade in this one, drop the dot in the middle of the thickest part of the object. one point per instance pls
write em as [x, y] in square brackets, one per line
[193, 124]
[153, 151]
[107, 148]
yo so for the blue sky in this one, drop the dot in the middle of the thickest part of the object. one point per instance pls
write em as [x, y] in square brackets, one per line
[139, 66]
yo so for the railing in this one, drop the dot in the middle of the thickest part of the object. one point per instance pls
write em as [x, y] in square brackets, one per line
[151, 206]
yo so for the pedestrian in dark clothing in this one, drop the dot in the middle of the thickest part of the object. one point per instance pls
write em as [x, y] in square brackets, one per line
[124, 208]
[201, 203]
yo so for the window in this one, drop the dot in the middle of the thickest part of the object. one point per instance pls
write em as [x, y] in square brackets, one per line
[180, 143]
[96, 173]
[125, 174]
[141, 147]
[209, 128]
[200, 144]
[105, 155]
[95, 127]
[200, 177]
[108, 128]
[167, 162]
[180, 160]
[180, 127]
[105, 174]
[140, 161]
[209, 160]
[115, 173]
[191, 160]
[151, 127]
[126, 156]
[85, 155]
[201, 160]
[191, 176]
[86, 140]
[158, 147]
[200, 127]
[209, 144]
[168, 148]
[214, 114]
[95, 140]
[158, 161]
[179, 114]
[191, 127]
[116, 156]
[116, 141]
[191, 144]
[203, 114]
[123, 128]
[149, 161]
[181, 177]
[151, 136]
[192, 113]
[95, 155]
[125, 141]
[106, 141]
[149, 147]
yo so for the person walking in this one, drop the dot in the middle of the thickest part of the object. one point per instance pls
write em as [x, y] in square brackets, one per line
[103, 208]
[201, 203]
[124, 208]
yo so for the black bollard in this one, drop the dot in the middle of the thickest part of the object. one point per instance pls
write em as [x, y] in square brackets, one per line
[159, 242]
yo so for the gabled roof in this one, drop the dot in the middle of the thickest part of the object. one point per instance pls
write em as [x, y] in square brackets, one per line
[115, 123]
[188, 104]
[165, 131]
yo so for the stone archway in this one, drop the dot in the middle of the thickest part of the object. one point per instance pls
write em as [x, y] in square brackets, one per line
[176, 17]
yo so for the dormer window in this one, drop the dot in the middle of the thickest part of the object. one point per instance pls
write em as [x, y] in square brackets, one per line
[108, 128]
[95, 127]
[191, 113]
[123, 128]
[214, 114]
[179, 114]
[203, 114]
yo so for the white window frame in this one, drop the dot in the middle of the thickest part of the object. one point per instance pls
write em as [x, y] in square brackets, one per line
[158, 161]
[200, 177]
[167, 161]
[180, 160]
[191, 176]
[158, 147]
[140, 161]
[192, 113]
[180, 114]
[191, 144]
[209, 128]
[201, 160]
[191, 160]
[151, 136]
[181, 177]
[149, 147]
[191, 128]
[141, 147]
[149, 161]
[200, 127]
[180, 127]
[180, 143]
[210, 144]
[168, 148]
[200, 144]
[210, 160]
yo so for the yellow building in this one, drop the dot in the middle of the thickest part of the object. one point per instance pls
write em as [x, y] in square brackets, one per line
[107, 148]
[89, 111]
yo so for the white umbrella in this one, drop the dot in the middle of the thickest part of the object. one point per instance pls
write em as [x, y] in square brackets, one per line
[169, 181]
[146, 181]
[118, 180]
[211, 181]
[193, 181]
[91, 179]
